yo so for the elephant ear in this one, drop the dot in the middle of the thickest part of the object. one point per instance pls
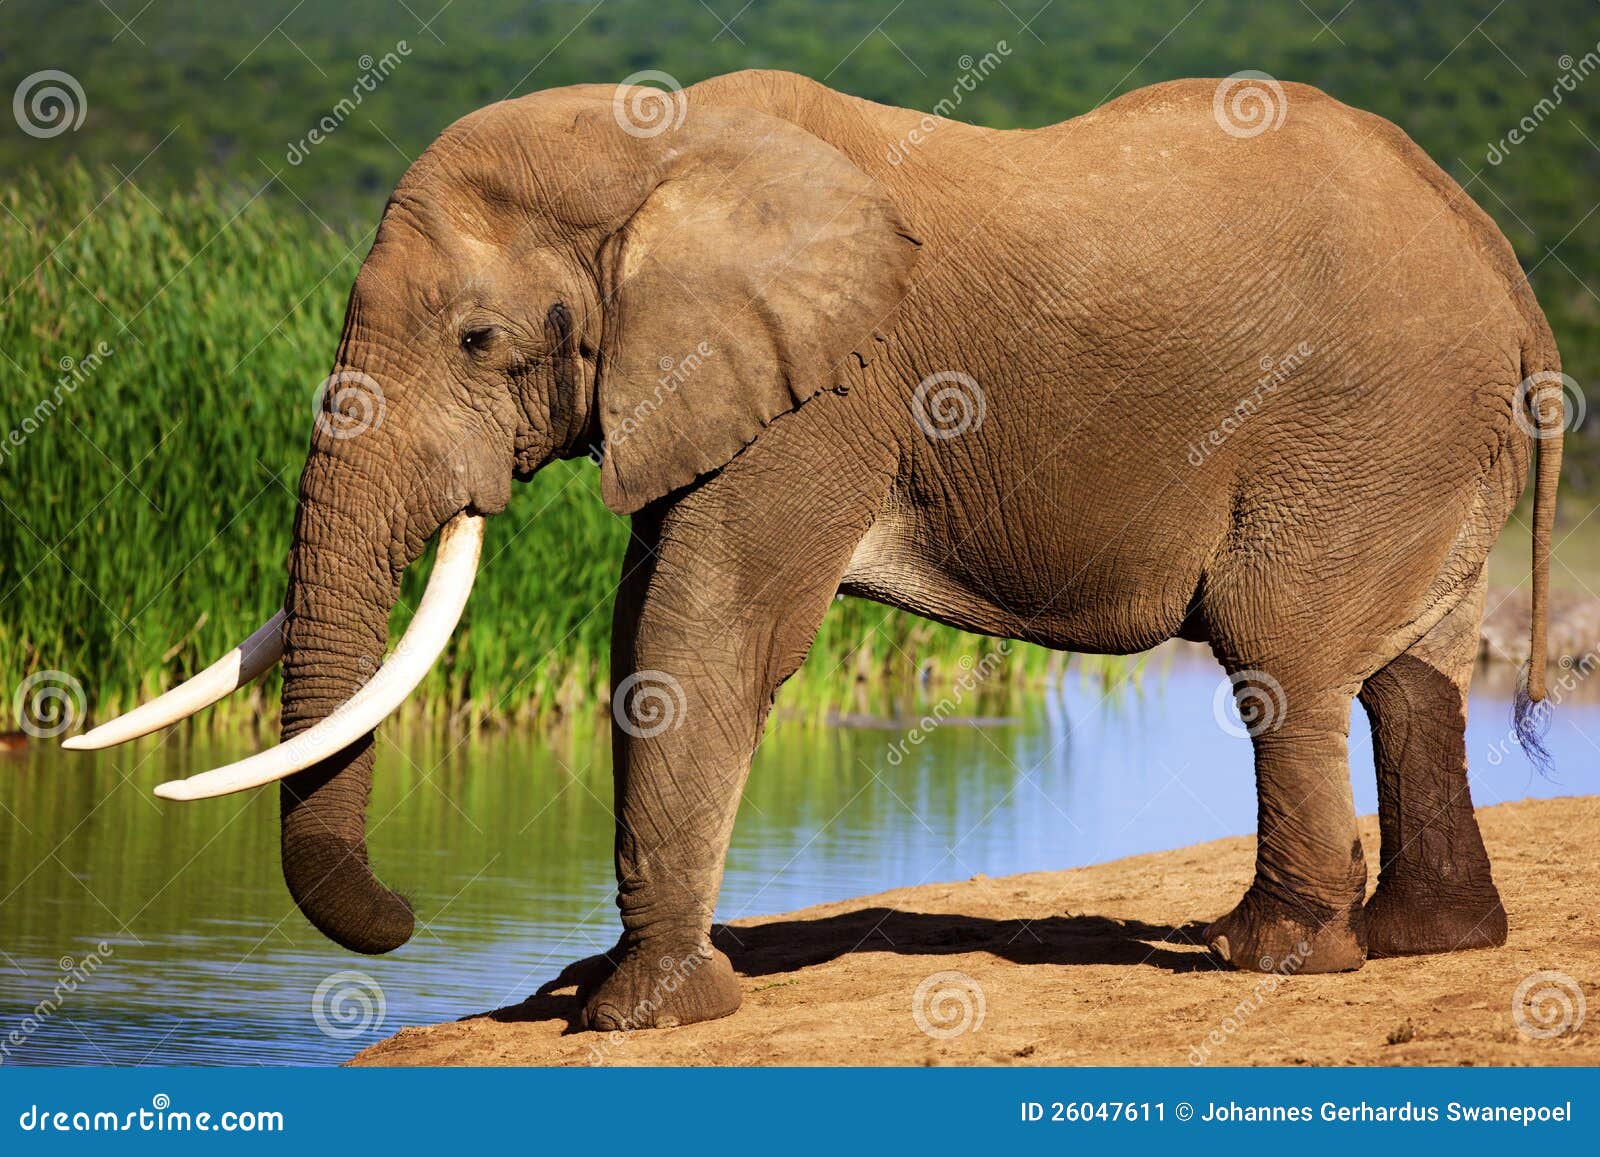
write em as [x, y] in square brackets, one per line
[758, 267]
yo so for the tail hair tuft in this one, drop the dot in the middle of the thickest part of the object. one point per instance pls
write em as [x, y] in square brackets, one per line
[1530, 722]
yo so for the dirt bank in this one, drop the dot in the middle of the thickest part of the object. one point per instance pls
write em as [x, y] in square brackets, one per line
[1506, 633]
[1098, 966]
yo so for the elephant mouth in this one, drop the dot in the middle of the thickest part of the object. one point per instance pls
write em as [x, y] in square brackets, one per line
[449, 585]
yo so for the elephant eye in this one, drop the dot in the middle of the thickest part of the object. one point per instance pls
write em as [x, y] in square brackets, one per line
[477, 340]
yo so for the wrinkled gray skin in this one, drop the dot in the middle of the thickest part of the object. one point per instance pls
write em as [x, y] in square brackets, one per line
[1115, 287]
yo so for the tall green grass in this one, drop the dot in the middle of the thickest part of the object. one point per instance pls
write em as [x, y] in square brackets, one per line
[148, 491]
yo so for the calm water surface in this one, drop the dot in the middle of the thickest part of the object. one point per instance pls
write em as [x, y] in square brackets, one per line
[504, 843]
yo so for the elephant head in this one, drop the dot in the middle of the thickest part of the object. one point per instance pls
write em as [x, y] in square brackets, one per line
[548, 280]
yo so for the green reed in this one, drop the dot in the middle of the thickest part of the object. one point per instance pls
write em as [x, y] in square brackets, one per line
[161, 357]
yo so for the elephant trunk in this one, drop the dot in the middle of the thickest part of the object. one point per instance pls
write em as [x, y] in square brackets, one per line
[343, 582]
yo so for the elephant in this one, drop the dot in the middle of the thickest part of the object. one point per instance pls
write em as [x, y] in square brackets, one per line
[1272, 384]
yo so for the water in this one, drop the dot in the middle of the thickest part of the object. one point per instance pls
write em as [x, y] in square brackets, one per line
[504, 847]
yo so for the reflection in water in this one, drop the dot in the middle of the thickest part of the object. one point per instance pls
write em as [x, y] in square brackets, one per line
[504, 846]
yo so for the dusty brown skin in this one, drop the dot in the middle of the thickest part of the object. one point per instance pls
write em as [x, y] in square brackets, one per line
[1103, 966]
[1114, 285]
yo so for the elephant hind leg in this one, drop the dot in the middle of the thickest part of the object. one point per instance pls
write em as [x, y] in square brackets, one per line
[1435, 892]
[1302, 912]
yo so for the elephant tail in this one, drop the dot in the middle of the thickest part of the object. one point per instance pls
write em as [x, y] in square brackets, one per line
[1547, 408]
[1542, 393]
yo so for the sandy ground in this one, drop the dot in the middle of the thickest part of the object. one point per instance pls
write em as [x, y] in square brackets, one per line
[1098, 966]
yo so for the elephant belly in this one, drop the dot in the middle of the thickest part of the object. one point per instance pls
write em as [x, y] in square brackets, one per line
[1063, 588]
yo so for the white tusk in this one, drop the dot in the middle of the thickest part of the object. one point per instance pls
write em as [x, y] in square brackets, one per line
[240, 665]
[456, 563]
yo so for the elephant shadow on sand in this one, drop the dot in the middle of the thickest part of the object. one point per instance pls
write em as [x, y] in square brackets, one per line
[782, 946]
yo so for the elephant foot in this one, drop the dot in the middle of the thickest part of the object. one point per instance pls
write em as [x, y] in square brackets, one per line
[1263, 934]
[655, 988]
[1404, 923]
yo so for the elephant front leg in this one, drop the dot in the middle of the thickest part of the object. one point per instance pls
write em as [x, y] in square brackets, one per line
[683, 735]
[703, 636]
